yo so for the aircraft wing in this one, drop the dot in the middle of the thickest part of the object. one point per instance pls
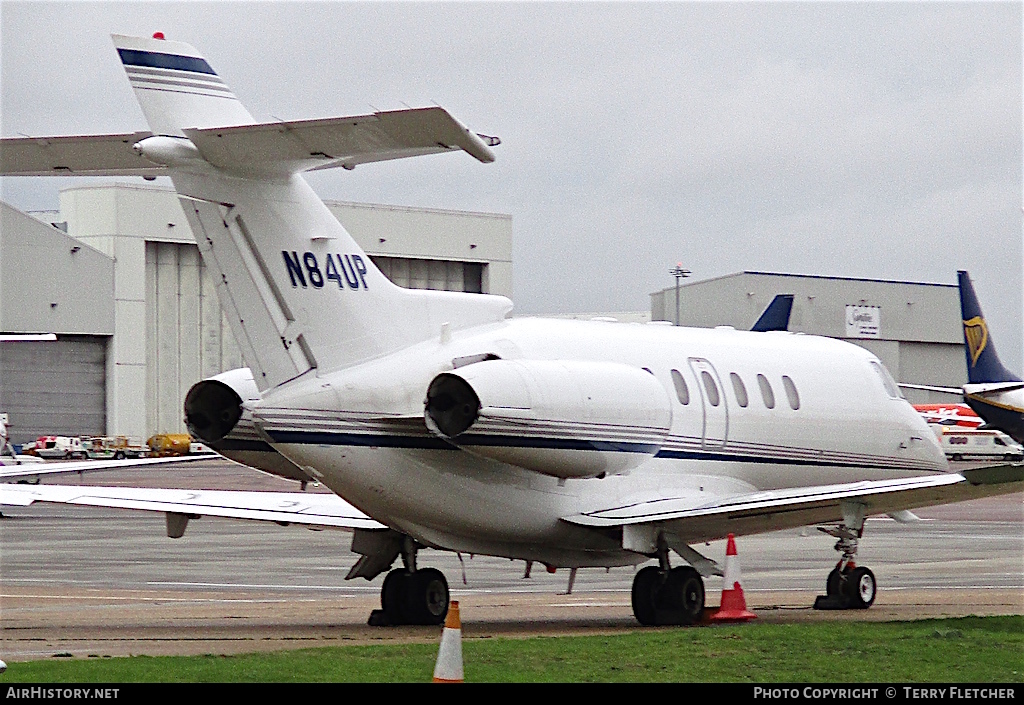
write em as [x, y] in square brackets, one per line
[27, 471]
[693, 516]
[86, 155]
[344, 142]
[307, 508]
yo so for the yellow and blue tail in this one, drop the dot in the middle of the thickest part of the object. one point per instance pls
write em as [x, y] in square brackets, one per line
[983, 364]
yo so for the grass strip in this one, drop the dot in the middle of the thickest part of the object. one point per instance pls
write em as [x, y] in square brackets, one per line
[970, 649]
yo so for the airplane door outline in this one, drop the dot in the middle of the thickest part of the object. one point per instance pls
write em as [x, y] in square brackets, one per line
[716, 417]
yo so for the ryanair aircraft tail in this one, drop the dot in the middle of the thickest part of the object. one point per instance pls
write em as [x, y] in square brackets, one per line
[298, 292]
[983, 364]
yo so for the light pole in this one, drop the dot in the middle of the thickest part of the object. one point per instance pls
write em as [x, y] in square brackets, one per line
[678, 273]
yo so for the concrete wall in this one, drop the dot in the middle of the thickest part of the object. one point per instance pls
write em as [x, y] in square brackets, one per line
[49, 282]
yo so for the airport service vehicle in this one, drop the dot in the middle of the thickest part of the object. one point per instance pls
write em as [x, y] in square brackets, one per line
[66, 447]
[168, 444]
[440, 422]
[114, 447]
[977, 444]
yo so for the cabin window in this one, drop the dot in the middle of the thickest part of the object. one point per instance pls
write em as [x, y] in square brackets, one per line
[739, 389]
[709, 385]
[682, 391]
[766, 391]
[791, 393]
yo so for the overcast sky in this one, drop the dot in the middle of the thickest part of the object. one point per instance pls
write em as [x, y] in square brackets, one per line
[878, 140]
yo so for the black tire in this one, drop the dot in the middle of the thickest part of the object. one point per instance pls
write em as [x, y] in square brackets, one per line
[645, 589]
[683, 596]
[861, 588]
[119, 455]
[392, 596]
[834, 583]
[426, 597]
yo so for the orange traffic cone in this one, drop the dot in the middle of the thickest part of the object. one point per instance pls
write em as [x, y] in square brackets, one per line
[449, 657]
[734, 605]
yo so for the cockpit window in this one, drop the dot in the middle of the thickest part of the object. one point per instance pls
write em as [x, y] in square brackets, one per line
[891, 388]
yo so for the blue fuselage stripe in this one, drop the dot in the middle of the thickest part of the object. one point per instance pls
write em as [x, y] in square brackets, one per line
[135, 57]
[381, 440]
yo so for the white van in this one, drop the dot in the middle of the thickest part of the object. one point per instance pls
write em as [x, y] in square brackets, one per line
[959, 443]
[60, 447]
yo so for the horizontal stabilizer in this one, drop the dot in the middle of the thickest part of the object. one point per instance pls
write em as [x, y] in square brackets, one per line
[87, 155]
[332, 142]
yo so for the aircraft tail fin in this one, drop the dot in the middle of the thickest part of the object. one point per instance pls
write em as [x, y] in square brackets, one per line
[776, 316]
[298, 292]
[176, 87]
[983, 364]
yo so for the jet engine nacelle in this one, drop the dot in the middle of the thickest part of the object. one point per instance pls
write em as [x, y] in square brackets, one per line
[215, 414]
[566, 418]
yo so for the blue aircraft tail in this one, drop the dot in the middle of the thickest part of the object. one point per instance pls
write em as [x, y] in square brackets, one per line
[983, 363]
[776, 316]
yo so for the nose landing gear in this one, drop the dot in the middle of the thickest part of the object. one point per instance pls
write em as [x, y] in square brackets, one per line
[848, 585]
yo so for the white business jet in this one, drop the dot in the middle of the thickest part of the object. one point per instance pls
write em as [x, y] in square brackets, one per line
[445, 424]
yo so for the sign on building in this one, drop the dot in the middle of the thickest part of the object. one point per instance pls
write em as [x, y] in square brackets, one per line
[863, 321]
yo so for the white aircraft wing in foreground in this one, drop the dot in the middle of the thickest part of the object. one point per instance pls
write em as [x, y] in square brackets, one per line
[30, 471]
[435, 415]
[306, 508]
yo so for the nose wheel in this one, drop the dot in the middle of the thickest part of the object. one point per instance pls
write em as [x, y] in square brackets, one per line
[848, 586]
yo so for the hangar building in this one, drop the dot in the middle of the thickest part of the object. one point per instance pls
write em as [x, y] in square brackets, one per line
[116, 275]
[913, 327]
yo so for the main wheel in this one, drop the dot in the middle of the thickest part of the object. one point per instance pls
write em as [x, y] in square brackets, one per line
[683, 596]
[645, 588]
[426, 597]
[861, 588]
[392, 596]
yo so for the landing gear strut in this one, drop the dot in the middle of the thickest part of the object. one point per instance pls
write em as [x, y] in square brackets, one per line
[848, 585]
[411, 596]
[665, 596]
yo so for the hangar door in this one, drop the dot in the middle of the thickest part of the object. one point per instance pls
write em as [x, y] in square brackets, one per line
[55, 387]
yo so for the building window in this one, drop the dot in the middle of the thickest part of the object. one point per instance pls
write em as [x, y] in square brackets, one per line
[739, 389]
[791, 393]
[766, 391]
[682, 391]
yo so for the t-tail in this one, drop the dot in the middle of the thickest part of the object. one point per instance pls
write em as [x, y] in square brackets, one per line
[983, 364]
[298, 292]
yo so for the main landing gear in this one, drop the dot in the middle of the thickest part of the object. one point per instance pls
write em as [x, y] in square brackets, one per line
[411, 596]
[848, 586]
[664, 596]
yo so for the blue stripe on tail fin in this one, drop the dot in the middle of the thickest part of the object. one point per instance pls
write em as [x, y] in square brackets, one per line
[983, 363]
